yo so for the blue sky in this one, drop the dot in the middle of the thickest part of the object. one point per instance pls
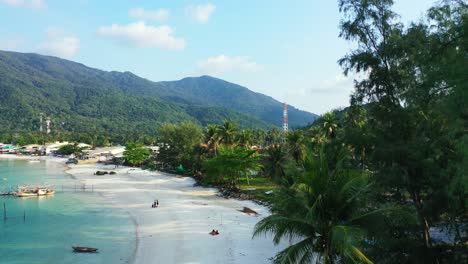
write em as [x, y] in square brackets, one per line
[285, 49]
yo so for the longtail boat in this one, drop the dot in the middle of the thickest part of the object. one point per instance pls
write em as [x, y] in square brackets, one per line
[29, 192]
[85, 249]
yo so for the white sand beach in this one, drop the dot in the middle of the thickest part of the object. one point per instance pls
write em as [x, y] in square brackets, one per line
[177, 231]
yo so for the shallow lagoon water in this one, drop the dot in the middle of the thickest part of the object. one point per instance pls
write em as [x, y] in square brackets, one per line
[53, 224]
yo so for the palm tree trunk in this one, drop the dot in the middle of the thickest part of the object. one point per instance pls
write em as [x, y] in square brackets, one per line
[426, 227]
[363, 158]
[327, 256]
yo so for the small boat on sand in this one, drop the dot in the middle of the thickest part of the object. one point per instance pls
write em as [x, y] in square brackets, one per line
[85, 249]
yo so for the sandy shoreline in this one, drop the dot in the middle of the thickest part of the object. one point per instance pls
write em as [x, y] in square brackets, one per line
[177, 231]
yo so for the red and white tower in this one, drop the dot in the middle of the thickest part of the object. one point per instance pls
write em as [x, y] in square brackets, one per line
[285, 118]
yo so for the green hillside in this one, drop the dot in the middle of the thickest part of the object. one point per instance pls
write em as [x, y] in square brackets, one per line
[84, 100]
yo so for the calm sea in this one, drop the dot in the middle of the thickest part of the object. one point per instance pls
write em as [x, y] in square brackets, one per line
[43, 229]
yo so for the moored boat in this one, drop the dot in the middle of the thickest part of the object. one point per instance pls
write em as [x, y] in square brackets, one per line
[30, 192]
[85, 249]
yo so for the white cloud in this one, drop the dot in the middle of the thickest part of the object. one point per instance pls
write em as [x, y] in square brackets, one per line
[201, 13]
[24, 3]
[149, 15]
[339, 83]
[59, 44]
[142, 35]
[222, 63]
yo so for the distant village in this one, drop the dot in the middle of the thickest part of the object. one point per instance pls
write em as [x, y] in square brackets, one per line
[87, 153]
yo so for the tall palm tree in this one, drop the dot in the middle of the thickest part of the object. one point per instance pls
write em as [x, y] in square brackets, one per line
[232, 163]
[259, 137]
[245, 138]
[227, 132]
[296, 145]
[275, 163]
[321, 212]
[272, 136]
[330, 124]
[212, 137]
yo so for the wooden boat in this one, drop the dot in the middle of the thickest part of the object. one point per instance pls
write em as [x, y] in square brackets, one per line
[7, 193]
[28, 192]
[85, 249]
[214, 233]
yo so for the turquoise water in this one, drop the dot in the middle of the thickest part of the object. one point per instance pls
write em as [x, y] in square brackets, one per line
[53, 224]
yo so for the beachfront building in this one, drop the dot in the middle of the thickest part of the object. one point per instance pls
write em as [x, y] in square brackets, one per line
[52, 147]
[106, 153]
[9, 149]
[32, 149]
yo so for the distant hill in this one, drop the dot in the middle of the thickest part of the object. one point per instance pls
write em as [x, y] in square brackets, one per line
[206, 90]
[83, 99]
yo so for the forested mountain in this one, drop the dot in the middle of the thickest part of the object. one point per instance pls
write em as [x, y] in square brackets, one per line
[82, 99]
[206, 90]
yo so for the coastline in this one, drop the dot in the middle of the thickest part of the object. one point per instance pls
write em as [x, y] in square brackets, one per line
[177, 231]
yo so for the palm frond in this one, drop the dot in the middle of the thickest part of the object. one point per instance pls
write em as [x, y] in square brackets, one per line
[283, 227]
[301, 252]
[359, 255]
[354, 187]
[345, 240]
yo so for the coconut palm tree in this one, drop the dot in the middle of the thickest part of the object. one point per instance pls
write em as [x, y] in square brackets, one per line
[227, 132]
[212, 137]
[295, 140]
[320, 213]
[275, 162]
[330, 124]
[232, 163]
[245, 138]
[273, 136]
[258, 137]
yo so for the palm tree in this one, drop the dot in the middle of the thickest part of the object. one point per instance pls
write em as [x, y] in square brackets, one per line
[330, 124]
[316, 137]
[296, 145]
[232, 163]
[275, 163]
[272, 136]
[321, 212]
[227, 132]
[212, 137]
[258, 137]
[245, 138]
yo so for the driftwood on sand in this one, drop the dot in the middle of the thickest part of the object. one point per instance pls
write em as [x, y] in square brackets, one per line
[248, 211]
